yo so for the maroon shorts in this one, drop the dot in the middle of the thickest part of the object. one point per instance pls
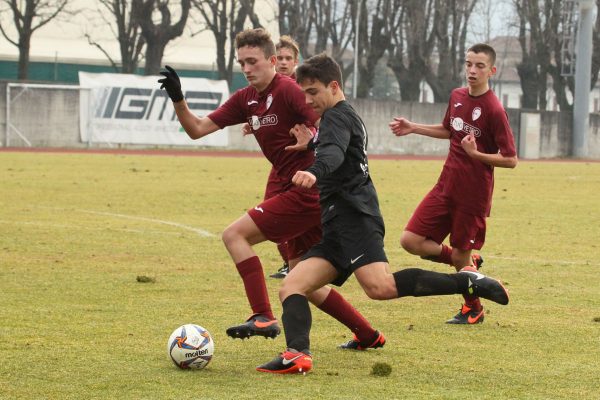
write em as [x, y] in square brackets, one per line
[436, 218]
[292, 216]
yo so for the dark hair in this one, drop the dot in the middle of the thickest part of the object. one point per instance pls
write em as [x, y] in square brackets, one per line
[256, 38]
[320, 68]
[287, 42]
[486, 49]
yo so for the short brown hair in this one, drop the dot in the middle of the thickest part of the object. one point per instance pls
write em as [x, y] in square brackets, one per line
[320, 68]
[288, 43]
[486, 49]
[256, 38]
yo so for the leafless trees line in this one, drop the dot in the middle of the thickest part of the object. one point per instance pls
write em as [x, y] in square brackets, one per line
[419, 40]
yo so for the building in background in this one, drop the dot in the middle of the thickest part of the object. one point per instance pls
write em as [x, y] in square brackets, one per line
[60, 49]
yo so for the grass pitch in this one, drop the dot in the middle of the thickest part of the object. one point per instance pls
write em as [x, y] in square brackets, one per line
[102, 256]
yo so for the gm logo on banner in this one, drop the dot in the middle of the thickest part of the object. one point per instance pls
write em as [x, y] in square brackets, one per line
[151, 104]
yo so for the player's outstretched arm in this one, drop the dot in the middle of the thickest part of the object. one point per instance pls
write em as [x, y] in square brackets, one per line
[401, 127]
[193, 125]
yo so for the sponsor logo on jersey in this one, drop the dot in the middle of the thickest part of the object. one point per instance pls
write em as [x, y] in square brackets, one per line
[476, 113]
[456, 105]
[254, 122]
[266, 120]
[251, 102]
[461, 126]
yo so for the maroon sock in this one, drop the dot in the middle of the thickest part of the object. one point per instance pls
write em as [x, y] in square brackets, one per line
[251, 272]
[473, 302]
[445, 256]
[339, 308]
[282, 247]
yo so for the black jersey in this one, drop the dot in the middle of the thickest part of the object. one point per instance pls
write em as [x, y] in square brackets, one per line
[341, 164]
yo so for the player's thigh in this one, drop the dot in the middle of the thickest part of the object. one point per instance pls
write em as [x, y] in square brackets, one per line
[307, 276]
[244, 227]
[431, 219]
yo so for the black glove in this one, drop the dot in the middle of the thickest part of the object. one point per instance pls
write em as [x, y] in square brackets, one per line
[171, 84]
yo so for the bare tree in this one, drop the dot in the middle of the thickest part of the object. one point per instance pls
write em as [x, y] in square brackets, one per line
[296, 18]
[335, 30]
[28, 16]
[413, 41]
[482, 28]
[225, 18]
[374, 41]
[538, 34]
[451, 21]
[158, 29]
[248, 9]
[320, 25]
[126, 30]
[541, 35]
[596, 50]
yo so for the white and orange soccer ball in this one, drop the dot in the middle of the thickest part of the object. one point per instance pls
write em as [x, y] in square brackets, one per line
[190, 347]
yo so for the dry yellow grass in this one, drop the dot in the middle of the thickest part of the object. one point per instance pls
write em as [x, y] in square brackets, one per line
[77, 230]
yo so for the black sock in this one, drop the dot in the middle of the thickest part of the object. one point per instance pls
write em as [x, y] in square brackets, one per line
[297, 320]
[418, 282]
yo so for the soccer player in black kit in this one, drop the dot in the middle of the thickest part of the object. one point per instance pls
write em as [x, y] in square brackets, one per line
[353, 228]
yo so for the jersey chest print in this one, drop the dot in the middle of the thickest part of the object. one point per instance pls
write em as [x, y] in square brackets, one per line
[460, 125]
[260, 116]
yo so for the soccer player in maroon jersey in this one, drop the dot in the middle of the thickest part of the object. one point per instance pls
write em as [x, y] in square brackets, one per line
[287, 53]
[272, 104]
[459, 203]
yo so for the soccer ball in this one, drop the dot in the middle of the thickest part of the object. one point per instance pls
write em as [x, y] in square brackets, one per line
[190, 347]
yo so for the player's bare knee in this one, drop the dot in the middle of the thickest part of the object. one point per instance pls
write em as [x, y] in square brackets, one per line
[380, 292]
[226, 236]
[408, 243]
[230, 235]
[289, 287]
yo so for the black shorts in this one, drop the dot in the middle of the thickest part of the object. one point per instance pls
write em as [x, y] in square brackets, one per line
[349, 242]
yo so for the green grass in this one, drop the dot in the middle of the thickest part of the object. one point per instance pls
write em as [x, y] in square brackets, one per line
[77, 230]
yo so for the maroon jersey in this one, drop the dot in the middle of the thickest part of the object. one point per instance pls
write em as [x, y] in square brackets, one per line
[271, 114]
[466, 182]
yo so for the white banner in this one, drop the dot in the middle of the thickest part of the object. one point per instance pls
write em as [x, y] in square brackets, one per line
[132, 109]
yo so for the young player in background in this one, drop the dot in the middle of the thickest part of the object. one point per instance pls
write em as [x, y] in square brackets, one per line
[272, 105]
[288, 54]
[353, 228]
[480, 139]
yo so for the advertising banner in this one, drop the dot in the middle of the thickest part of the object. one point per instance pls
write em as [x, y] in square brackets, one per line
[132, 109]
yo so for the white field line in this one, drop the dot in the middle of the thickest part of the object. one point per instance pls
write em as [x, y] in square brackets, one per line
[66, 226]
[199, 231]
